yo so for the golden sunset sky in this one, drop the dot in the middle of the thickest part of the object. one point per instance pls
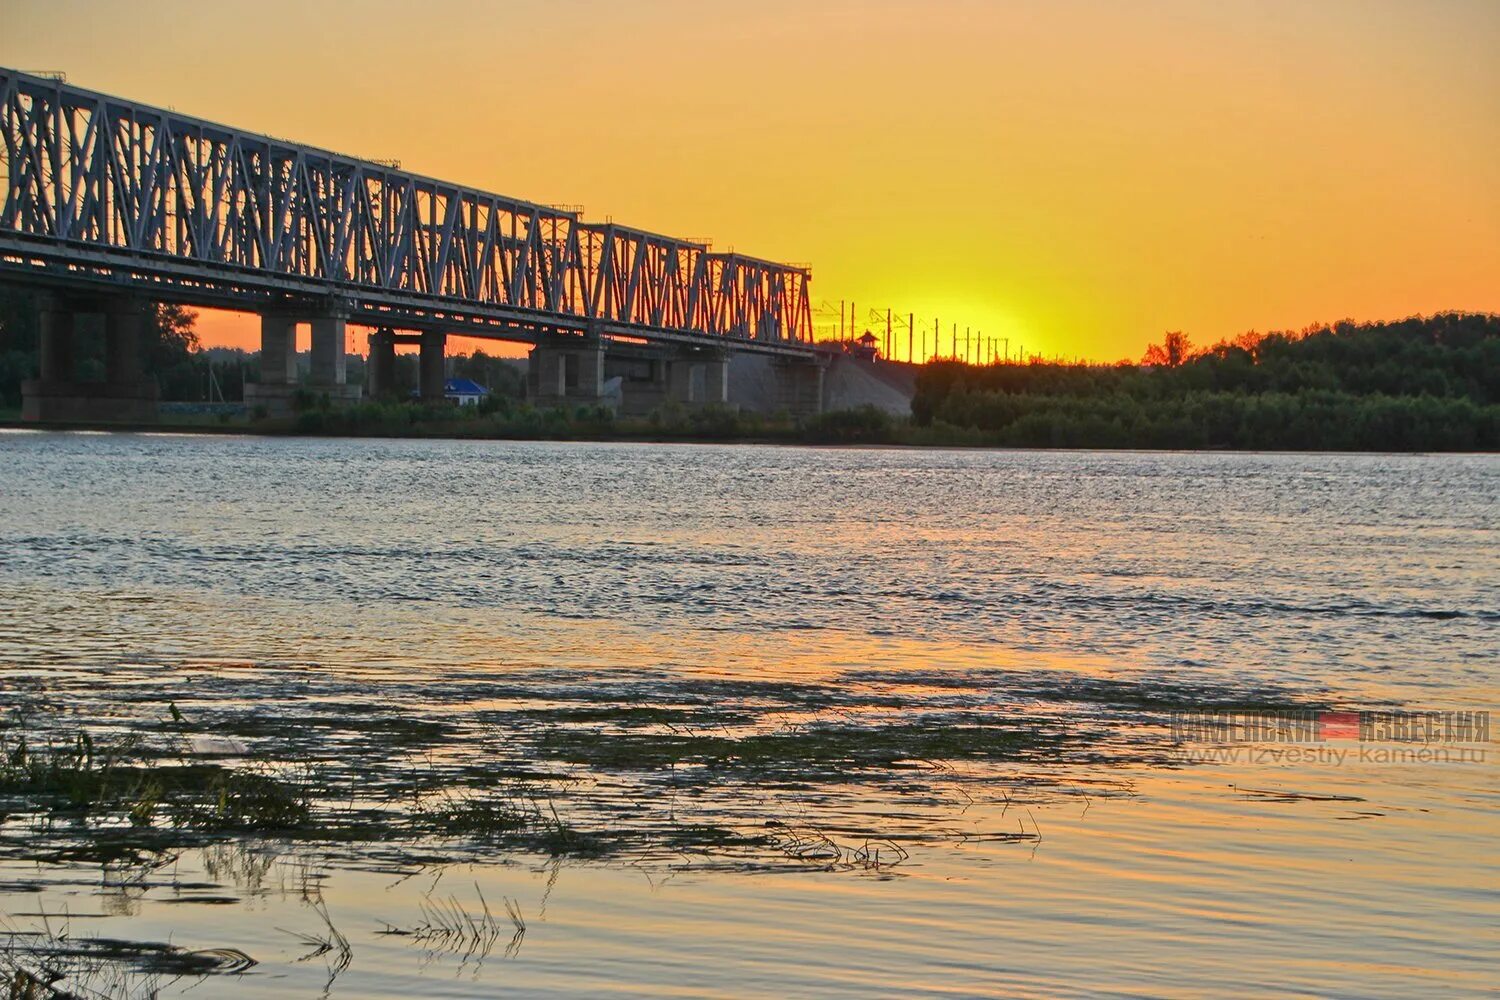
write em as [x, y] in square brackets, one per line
[1078, 176]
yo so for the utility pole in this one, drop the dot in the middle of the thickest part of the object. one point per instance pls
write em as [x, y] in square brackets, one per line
[911, 338]
[841, 319]
[887, 333]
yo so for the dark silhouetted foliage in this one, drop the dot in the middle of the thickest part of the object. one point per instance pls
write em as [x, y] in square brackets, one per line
[1421, 384]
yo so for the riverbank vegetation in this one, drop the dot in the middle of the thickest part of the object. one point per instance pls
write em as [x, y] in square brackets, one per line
[503, 417]
[1421, 384]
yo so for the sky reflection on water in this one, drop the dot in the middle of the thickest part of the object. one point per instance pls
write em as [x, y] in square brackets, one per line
[461, 581]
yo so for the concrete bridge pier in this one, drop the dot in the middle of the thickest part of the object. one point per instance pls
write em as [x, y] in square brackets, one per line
[329, 363]
[680, 387]
[329, 333]
[380, 368]
[124, 335]
[279, 382]
[278, 365]
[55, 322]
[566, 367]
[699, 377]
[126, 395]
[278, 350]
[716, 379]
[799, 386]
[431, 377]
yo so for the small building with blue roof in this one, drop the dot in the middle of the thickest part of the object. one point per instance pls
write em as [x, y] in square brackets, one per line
[464, 391]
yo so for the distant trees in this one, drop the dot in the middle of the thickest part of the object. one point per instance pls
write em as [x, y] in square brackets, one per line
[500, 375]
[1174, 349]
[1418, 384]
[170, 352]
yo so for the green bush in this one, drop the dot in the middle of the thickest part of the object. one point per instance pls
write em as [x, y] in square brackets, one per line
[864, 425]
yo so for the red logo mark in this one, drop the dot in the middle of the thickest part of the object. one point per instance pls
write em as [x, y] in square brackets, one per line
[1338, 725]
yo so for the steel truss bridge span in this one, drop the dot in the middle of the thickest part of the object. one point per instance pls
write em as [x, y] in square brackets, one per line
[100, 191]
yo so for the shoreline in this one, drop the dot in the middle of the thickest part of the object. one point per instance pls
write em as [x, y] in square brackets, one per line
[788, 441]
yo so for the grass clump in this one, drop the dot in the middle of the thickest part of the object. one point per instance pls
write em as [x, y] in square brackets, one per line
[125, 782]
[515, 814]
[474, 815]
[244, 800]
[822, 752]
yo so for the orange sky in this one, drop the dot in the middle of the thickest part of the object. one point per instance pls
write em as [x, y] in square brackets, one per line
[1078, 176]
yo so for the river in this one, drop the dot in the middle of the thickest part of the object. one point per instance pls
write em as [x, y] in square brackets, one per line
[564, 612]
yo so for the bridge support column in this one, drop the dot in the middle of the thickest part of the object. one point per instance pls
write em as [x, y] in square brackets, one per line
[799, 387]
[277, 392]
[430, 366]
[699, 377]
[380, 368]
[329, 362]
[546, 374]
[124, 329]
[565, 367]
[125, 395]
[278, 349]
[716, 381]
[55, 321]
[680, 388]
[590, 368]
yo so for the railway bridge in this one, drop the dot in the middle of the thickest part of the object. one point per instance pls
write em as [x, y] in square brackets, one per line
[108, 205]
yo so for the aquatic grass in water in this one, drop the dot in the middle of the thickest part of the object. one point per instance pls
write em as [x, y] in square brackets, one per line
[126, 779]
[822, 751]
[513, 812]
[717, 771]
[51, 963]
[731, 774]
[447, 925]
[760, 783]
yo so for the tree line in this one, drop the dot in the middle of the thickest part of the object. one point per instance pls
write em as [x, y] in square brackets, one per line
[1419, 384]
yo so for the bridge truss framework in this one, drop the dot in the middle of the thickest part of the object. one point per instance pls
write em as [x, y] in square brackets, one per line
[100, 191]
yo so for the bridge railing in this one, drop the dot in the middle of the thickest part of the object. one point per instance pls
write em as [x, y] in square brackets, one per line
[82, 171]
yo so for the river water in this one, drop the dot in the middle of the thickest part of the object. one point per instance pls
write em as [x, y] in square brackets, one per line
[543, 604]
